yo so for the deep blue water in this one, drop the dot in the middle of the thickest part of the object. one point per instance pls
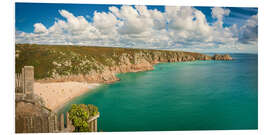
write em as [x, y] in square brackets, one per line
[200, 95]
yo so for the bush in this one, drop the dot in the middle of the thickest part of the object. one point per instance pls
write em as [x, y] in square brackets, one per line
[80, 114]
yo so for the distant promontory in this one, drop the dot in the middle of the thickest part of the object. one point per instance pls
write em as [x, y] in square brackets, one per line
[59, 63]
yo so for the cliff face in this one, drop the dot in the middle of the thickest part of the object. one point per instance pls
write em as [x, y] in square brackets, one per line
[73, 65]
[136, 62]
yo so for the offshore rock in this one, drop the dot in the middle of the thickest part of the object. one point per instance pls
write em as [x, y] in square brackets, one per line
[222, 57]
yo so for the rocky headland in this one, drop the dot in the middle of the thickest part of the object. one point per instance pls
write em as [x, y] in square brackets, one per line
[96, 64]
[62, 73]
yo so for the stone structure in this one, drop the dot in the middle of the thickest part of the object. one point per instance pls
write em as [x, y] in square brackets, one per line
[62, 121]
[31, 116]
[68, 122]
[24, 83]
[28, 73]
[93, 123]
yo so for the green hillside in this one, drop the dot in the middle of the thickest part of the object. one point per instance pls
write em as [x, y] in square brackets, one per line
[67, 59]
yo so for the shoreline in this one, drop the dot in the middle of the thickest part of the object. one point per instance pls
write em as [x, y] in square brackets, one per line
[71, 89]
[39, 89]
[56, 94]
[40, 84]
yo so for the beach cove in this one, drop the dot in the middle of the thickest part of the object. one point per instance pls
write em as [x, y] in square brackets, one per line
[165, 90]
[180, 96]
[57, 94]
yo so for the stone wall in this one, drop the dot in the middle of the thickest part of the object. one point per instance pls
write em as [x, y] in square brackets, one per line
[35, 118]
[24, 83]
[31, 116]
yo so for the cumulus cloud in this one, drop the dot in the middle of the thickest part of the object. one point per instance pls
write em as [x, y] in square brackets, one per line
[184, 28]
[40, 28]
[219, 13]
[187, 24]
[249, 31]
[105, 23]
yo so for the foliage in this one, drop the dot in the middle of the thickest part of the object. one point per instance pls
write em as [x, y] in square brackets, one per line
[50, 61]
[93, 110]
[80, 114]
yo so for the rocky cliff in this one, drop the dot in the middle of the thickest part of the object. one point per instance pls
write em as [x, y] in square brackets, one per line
[96, 64]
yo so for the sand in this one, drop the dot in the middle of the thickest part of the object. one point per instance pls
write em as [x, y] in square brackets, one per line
[58, 93]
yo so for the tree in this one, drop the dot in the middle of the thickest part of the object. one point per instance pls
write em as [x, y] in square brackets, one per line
[79, 114]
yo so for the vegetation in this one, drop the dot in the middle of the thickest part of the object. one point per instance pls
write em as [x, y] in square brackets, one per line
[80, 114]
[53, 60]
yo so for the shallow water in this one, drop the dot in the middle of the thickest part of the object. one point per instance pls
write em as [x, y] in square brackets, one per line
[200, 95]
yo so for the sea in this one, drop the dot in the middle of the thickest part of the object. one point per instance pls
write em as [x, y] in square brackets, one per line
[197, 95]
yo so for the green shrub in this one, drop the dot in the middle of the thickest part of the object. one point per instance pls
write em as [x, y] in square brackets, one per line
[80, 114]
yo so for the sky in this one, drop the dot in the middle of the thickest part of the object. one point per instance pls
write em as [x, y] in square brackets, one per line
[197, 29]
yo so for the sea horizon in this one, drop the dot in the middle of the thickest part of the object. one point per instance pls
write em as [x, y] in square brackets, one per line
[117, 67]
[143, 80]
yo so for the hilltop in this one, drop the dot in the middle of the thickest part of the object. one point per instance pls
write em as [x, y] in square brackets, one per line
[95, 64]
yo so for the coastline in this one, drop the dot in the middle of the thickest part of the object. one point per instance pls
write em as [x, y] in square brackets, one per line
[57, 94]
[47, 90]
[60, 89]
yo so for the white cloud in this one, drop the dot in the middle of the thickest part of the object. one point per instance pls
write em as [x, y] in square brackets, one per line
[106, 23]
[40, 28]
[187, 23]
[248, 33]
[134, 21]
[74, 25]
[183, 28]
[219, 13]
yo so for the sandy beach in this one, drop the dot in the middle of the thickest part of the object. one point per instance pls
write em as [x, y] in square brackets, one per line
[58, 93]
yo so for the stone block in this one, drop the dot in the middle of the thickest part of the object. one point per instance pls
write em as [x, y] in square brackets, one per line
[62, 126]
[28, 79]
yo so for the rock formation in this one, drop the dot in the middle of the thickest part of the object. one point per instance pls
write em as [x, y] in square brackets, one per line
[96, 64]
[222, 57]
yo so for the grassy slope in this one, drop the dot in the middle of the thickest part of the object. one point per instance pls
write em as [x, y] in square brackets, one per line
[42, 58]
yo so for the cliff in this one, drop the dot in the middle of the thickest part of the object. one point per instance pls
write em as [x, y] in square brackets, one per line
[95, 64]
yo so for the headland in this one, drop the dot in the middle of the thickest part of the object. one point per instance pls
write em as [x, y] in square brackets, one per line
[64, 72]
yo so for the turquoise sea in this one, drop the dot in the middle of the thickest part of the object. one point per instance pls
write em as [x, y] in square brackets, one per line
[199, 95]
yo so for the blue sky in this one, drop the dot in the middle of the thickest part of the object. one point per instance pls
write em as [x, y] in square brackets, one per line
[27, 14]
[200, 29]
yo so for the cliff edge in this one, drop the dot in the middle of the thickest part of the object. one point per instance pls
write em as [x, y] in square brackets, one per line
[95, 64]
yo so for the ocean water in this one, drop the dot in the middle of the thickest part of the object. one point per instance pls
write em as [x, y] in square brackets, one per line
[199, 95]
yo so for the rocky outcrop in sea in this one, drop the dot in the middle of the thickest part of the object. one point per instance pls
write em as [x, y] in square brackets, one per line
[222, 57]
